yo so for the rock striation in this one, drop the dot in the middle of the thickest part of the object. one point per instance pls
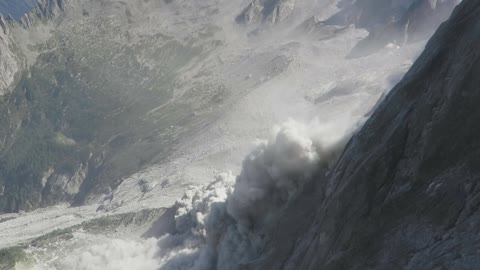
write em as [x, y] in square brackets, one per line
[392, 21]
[266, 11]
[10, 63]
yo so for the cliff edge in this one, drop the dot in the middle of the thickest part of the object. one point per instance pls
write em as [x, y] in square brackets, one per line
[405, 193]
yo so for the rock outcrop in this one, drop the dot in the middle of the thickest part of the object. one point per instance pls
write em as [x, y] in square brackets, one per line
[10, 62]
[50, 8]
[392, 21]
[44, 10]
[16, 9]
[314, 28]
[79, 119]
[266, 11]
[19, 112]
[405, 193]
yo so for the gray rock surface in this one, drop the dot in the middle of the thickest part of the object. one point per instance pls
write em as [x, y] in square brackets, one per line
[19, 37]
[99, 86]
[266, 11]
[405, 194]
[315, 28]
[25, 14]
[392, 21]
[50, 8]
[10, 63]
[17, 8]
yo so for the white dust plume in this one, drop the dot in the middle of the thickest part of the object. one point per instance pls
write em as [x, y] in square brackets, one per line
[221, 225]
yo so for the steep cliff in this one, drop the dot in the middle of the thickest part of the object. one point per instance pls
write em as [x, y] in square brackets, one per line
[388, 21]
[268, 11]
[17, 17]
[16, 9]
[11, 61]
[405, 193]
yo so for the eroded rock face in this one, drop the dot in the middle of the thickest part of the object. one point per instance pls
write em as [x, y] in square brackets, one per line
[10, 63]
[50, 8]
[76, 102]
[392, 21]
[18, 37]
[253, 13]
[267, 11]
[16, 9]
[315, 28]
[68, 183]
[405, 194]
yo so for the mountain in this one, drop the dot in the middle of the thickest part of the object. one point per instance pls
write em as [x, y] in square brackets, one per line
[269, 11]
[168, 135]
[388, 22]
[404, 194]
[16, 9]
[392, 21]
[94, 92]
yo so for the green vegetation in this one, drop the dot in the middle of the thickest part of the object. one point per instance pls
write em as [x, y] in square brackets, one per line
[63, 234]
[62, 140]
[13, 256]
[10, 257]
[110, 223]
[97, 95]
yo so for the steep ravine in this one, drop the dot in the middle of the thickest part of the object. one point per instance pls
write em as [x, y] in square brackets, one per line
[405, 193]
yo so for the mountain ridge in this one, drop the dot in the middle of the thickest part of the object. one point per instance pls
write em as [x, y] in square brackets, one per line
[103, 91]
[403, 195]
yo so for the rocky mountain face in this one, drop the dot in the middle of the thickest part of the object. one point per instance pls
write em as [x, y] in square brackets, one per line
[94, 91]
[405, 193]
[25, 157]
[89, 96]
[18, 16]
[16, 9]
[44, 10]
[392, 21]
[10, 62]
[39, 164]
[266, 11]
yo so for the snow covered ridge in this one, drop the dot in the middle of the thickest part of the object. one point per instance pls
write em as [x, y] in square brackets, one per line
[222, 225]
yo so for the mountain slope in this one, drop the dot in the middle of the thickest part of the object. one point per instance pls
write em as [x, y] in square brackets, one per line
[269, 11]
[16, 9]
[404, 195]
[96, 91]
[119, 86]
[392, 21]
